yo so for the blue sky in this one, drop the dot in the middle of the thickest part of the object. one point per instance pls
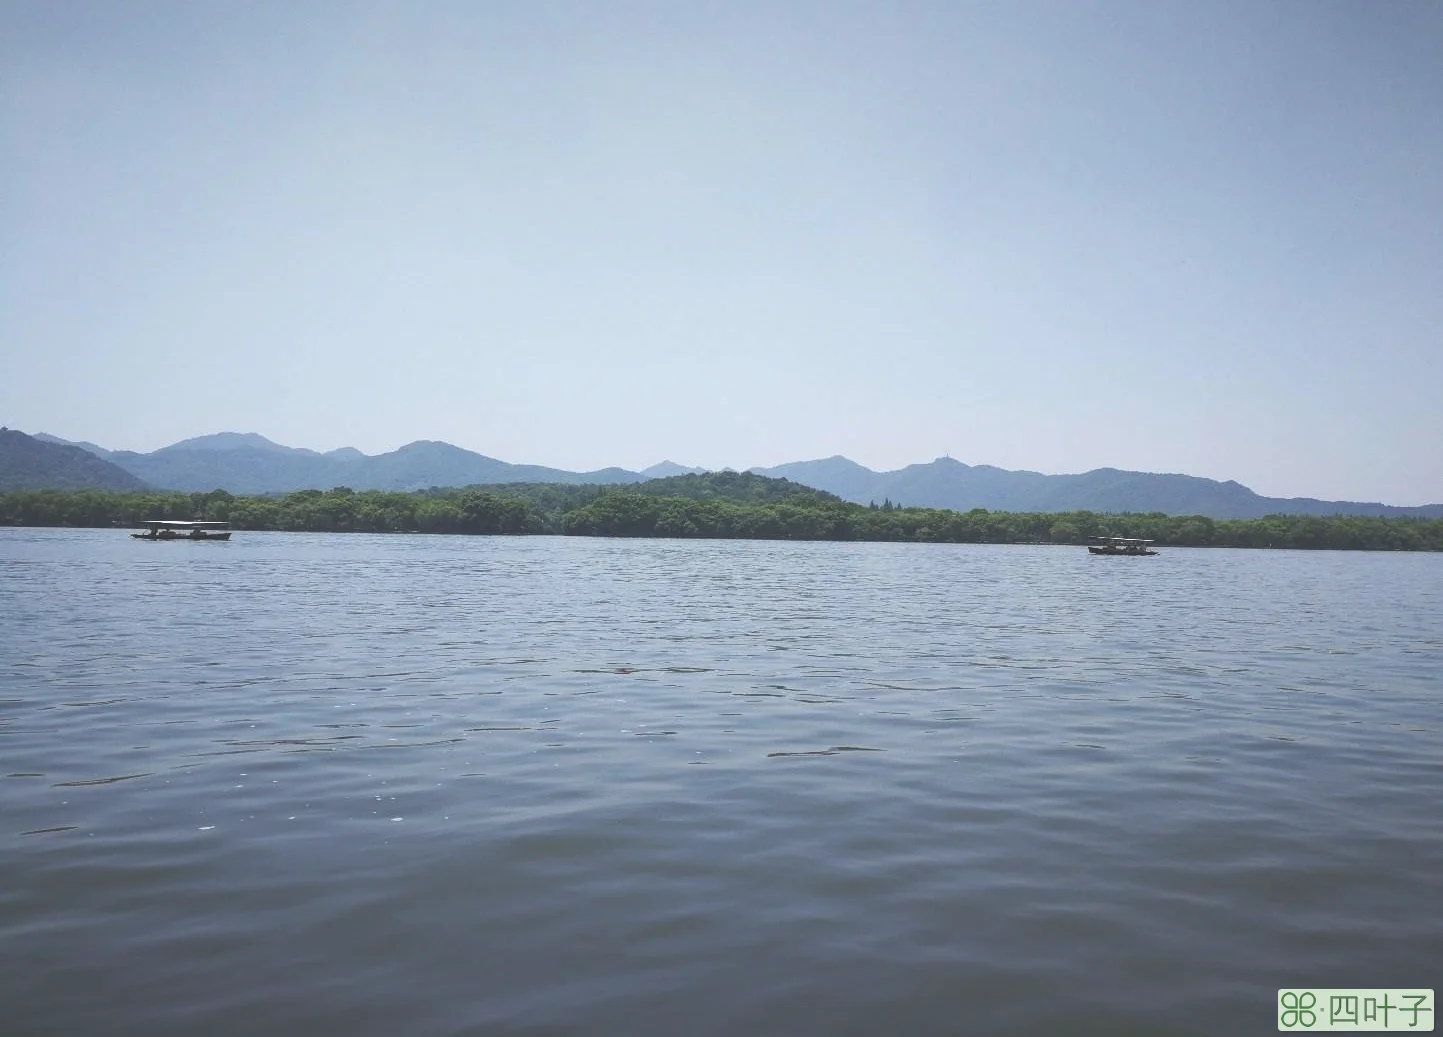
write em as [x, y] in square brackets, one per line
[1202, 238]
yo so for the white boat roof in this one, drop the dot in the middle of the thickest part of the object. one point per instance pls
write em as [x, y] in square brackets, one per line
[174, 524]
[1125, 540]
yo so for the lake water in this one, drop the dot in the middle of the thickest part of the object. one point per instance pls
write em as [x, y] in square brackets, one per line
[309, 784]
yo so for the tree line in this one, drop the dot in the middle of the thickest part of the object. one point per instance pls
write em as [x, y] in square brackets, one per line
[728, 505]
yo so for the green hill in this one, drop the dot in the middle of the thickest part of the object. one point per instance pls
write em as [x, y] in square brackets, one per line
[27, 463]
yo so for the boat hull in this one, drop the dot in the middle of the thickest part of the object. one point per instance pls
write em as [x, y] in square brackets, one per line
[182, 536]
[1120, 551]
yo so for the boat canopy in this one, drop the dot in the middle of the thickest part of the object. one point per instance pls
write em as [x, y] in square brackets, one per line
[172, 524]
[1123, 540]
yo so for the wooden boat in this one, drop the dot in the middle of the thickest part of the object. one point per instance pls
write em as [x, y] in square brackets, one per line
[1130, 546]
[165, 529]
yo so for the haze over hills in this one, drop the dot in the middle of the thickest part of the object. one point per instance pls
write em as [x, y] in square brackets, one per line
[247, 463]
[98, 451]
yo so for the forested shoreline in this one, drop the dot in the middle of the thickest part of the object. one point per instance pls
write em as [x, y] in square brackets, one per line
[718, 505]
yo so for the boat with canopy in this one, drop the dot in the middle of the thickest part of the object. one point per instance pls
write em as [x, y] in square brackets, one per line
[1131, 546]
[167, 529]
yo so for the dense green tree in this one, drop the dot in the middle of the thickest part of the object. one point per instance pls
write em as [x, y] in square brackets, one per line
[722, 504]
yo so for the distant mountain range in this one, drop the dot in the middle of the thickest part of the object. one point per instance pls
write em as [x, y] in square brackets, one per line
[246, 463]
[945, 483]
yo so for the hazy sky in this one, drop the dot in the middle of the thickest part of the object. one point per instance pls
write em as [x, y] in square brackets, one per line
[1201, 237]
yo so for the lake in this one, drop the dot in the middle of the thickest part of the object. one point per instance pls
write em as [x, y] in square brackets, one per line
[377, 785]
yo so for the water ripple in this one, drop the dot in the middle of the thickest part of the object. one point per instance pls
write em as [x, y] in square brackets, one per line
[1056, 796]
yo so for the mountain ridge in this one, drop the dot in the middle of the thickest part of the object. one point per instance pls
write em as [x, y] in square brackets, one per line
[28, 463]
[949, 483]
[248, 463]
